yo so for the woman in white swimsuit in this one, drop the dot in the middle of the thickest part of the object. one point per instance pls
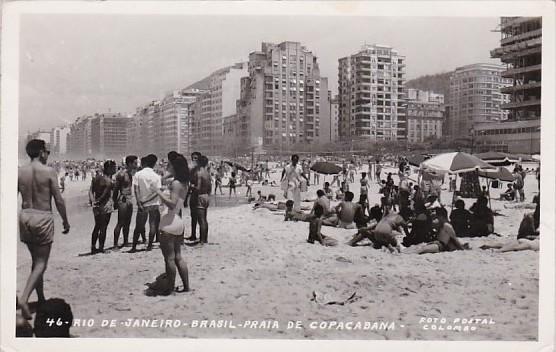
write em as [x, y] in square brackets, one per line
[171, 222]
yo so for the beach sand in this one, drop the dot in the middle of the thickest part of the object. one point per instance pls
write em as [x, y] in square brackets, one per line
[257, 267]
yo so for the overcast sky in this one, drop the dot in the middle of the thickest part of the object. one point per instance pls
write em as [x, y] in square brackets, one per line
[73, 65]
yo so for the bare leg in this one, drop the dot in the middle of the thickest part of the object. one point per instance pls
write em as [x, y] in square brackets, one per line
[105, 220]
[95, 233]
[430, 248]
[35, 280]
[203, 224]
[154, 220]
[181, 265]
[168, 251]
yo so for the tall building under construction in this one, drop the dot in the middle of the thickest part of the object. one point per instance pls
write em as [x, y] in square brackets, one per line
[521, 50]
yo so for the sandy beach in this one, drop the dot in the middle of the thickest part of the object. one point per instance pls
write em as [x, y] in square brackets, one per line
[258, 268]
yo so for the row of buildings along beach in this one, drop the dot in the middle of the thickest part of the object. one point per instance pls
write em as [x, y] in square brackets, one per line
[278, 100]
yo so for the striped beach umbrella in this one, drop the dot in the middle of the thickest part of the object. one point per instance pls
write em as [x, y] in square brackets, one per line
[456, 162]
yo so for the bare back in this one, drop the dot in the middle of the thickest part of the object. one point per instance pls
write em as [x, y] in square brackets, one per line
[203, 181]
[37, 184]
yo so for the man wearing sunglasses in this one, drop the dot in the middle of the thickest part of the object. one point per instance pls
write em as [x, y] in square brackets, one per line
[38, 184]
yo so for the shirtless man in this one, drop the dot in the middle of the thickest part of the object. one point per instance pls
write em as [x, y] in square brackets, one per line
[322, 201]
[100, 197]
[386, 230]
[447, 240]
[345, 213]
[202, 190]
[38, 184]
[122, 199]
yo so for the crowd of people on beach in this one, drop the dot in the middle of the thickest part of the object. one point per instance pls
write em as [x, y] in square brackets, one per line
[160, 190]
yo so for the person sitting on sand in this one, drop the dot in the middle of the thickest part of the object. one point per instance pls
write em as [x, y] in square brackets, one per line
[260, 197]
[375, 213]
[460, 218]
[421, 227]
[291, 215]
[340, 194]
[315, 225]
[385, 232]
[328, 191]
[346, 211]
[322, 201]
[527, 228]
[446, 240]
[509, 194]
[482, 220]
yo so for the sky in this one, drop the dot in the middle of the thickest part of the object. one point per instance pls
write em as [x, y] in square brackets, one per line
[72, 65]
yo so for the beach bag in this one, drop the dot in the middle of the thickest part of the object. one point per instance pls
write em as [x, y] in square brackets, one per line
[160, 287]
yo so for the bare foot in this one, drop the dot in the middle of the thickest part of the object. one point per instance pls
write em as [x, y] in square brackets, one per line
[25, 311]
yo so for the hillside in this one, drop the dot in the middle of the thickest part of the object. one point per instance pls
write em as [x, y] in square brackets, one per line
[438, 83]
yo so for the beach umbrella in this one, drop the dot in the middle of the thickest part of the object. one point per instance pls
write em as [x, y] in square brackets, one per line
[496, 158]
[501, 174]
[416, 160]
[326, 168]
[456, 163]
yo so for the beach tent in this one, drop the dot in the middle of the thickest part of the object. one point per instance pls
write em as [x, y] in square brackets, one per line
[456, 163]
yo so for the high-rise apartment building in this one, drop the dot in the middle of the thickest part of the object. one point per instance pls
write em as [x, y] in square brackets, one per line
[218, 102]
[284, 100]
[475, 98]
[425, 115]
[109, 135]
[79, 141]
[334, 118]
[371, 95]
[59, 138]
[521, 51]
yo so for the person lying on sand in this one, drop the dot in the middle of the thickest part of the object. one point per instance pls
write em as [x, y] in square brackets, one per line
[522, 244]
[272, 206]
[315, 225]
[447, 240]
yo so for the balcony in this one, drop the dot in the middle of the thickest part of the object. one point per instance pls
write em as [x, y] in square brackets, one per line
[515, 71]
[516, 88]
[521, 104]
[498, 52]
[521, 37]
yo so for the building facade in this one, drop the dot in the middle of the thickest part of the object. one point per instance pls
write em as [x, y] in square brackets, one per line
[475, 98]
[371, 95]
[109, 133]
[334, 118]
[79, 141]
[520, 50]
[216, 102]
[425, 115]
[60, 138]
[283, 100]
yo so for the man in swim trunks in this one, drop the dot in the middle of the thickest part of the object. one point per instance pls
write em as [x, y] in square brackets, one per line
[346, 211]
[100, 196]
[202, 190]
[192, 195]
[447, 240]
[38, 184]
[122, 199]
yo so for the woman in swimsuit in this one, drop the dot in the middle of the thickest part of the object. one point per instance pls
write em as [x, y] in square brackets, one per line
[172, 226]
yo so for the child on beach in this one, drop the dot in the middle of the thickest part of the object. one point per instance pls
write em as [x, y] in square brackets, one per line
[315, 225]
[249, 184]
